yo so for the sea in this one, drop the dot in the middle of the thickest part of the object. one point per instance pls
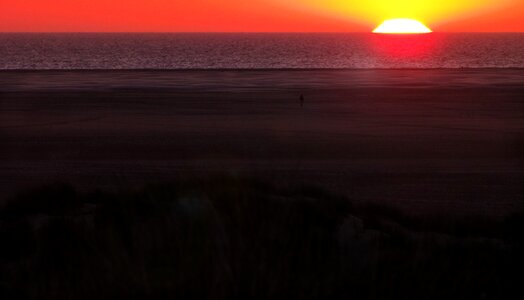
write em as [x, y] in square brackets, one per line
[182, 51]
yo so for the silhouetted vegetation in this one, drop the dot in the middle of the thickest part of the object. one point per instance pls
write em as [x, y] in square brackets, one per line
[228, 238]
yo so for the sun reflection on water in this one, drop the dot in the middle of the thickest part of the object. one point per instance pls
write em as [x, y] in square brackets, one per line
[404, 45]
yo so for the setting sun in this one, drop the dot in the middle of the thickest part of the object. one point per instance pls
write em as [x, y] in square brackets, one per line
[402, 26]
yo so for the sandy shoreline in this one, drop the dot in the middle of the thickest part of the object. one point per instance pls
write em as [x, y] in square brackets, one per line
[446, 141]
[225, 80]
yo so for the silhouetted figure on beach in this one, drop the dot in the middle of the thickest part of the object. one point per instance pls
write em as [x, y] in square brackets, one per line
[301, 100]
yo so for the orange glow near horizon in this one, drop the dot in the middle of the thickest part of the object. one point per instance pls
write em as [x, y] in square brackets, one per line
[427, 11]
[255, 15]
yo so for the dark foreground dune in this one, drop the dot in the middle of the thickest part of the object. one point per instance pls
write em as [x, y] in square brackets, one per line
[231, 238]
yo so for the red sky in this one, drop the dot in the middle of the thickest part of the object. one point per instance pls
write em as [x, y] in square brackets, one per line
[218, 15]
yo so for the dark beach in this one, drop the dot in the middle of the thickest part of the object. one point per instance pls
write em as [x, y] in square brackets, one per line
[425, 141]
[222, 184]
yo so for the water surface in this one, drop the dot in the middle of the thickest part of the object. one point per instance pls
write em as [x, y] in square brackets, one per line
[260, 51]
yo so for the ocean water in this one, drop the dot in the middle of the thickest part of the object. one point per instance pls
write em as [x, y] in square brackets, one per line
[36, 51]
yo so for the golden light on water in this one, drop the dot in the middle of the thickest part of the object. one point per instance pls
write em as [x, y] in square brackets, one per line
[402, 26]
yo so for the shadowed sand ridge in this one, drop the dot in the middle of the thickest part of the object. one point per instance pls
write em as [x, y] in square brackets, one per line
[231, 238]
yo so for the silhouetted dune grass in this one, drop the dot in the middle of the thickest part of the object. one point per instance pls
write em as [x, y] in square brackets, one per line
[232, 238]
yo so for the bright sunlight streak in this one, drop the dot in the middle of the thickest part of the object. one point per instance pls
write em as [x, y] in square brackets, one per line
[402, 26]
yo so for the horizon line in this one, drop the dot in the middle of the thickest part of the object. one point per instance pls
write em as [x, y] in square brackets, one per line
[240, 32]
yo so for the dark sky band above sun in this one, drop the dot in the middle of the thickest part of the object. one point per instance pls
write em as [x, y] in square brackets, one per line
[255, 15]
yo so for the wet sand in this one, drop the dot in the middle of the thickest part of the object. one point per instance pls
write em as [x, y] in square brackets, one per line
[425, 141]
